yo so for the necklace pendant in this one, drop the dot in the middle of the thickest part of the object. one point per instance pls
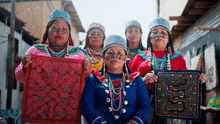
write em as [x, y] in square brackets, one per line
[127, 86]
[116, 117]
[93, 65]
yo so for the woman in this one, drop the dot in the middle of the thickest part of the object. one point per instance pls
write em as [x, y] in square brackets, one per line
[114, 96]
[94, 44]
[133, 32]
[56, 42]
[159, 52]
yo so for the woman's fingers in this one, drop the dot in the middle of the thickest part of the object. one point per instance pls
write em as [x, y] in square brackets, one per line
[86, 65]
[203, 78]
[26, 60]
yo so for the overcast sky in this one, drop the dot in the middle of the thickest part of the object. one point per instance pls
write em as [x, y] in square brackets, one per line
[114, 14]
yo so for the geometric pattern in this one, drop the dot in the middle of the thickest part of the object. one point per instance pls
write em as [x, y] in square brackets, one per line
[177, 94]
[10, 116]
[53, 90]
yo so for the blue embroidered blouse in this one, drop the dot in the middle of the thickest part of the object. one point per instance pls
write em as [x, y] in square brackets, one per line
[94, 106]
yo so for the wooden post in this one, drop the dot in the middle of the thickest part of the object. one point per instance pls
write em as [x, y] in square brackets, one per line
[10, 66]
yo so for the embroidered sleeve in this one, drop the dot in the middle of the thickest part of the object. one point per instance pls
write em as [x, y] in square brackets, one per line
[88, 103]
[143, 102]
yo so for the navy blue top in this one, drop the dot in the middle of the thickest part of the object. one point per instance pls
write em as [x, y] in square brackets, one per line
[94, 106]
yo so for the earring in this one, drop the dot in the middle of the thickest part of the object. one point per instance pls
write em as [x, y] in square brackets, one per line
[105, 82]
[47, 41]
[168, 57]
[127, 74]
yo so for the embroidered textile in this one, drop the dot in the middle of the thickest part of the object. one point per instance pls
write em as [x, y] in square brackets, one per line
[53, 90]
[177, 94]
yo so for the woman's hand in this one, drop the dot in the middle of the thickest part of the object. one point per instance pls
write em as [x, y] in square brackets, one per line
[87, 66]
[26, 60]
[202, 77]
[149, 79]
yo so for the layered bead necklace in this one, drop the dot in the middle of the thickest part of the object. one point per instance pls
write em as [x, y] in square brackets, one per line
[92, 54]
[116, 92]
[58, 51]
[132, 53]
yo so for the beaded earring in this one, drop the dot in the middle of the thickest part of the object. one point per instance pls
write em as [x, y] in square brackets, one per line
[150, 58]
[105, 82]
[127, 74]
[47, 41]
[168, 57]
[67, 49]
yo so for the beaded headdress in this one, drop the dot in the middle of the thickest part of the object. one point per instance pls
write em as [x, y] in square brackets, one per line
[159, 22]
[114, 40]
[60, 14]
[96, 25]
[132, 23]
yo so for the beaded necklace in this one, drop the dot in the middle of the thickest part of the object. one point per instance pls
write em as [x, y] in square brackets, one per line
[117, 94]
[92, 55]
[132, 53]
[154, 62]
[57, 54]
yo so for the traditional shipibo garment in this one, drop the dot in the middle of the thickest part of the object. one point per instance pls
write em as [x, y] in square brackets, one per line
[117, 103]
[141, 64]
[95, 58]
[42, 50]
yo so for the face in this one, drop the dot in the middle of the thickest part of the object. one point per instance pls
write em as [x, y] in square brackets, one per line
[159, 38]
[59, 33]
[115, 57]
[96, 37]
[133, 35]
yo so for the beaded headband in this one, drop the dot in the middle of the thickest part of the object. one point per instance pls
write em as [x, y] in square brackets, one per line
[114, 40]
[60, 14]
[132, 23]
[159, 22]
[96, 25]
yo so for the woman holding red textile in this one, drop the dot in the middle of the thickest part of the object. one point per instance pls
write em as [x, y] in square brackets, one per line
[56, 42]
[114, 96]
[159, 55]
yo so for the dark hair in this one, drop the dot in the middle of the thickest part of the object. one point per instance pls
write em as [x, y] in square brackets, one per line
[45, 35]
[87, 38]
[169, 43]
[140, 46]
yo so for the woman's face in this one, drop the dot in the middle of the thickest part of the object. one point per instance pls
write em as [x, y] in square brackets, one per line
[115, 58]
[133, 35]
[159, 39]
[96, 37]
[59, 33]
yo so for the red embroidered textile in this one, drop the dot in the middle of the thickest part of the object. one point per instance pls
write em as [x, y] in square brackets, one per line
[53, 90]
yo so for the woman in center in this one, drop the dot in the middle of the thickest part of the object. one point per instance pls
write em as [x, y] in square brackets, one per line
[113, 95]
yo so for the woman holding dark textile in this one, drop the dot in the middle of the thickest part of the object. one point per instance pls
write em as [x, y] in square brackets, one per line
[133, 32]
[159, 54]
[113, 96]
[56, 42]
[94, 44]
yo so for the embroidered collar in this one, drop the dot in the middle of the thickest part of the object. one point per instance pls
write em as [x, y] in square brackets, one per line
[101, 78]
[43, 48]
[154, 59]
